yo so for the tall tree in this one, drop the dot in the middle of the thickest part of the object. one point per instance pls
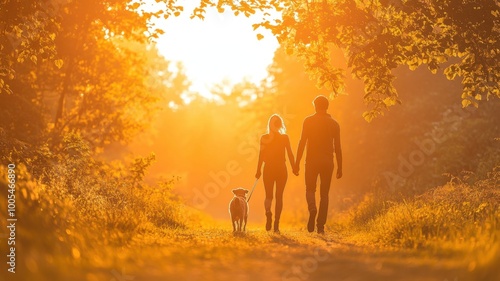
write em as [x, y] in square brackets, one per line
[377, 36]
[85, 67]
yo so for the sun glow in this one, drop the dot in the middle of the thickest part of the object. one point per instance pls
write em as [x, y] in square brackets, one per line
[223, 48]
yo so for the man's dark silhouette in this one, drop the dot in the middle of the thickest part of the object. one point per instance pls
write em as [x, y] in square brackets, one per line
[321, 133]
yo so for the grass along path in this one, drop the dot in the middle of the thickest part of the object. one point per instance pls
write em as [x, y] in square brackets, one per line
[215, 253]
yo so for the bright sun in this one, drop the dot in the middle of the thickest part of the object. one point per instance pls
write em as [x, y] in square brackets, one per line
[221, 48]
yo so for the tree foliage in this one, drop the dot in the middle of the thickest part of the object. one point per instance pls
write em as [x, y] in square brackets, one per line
[377, 36]
[89, 68]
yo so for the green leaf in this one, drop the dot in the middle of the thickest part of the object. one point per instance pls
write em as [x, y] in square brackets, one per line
[59, 63]
[389, 101]
[368, 116]
[451, 72]
[134, 6]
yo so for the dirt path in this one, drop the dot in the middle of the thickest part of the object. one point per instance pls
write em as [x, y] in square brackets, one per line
[216, 254]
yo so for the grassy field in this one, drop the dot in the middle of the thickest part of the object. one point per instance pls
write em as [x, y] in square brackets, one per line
[215, 253]
[92, 233]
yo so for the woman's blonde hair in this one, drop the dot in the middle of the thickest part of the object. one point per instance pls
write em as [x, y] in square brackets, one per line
[276, 124]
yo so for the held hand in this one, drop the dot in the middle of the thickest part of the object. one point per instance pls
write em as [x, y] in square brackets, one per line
[257, 175]
[339, 173]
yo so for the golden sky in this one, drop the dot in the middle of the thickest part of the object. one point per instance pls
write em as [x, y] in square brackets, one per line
[222, 47]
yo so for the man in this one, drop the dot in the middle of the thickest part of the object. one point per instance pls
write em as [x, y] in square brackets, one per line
[321, 133]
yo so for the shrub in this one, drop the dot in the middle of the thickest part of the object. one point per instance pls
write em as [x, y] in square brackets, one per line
[457, 216]
[78, 209]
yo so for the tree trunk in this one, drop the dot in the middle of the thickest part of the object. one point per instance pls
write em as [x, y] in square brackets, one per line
[60, 103]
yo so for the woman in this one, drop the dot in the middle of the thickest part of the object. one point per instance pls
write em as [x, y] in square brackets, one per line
[272, 153]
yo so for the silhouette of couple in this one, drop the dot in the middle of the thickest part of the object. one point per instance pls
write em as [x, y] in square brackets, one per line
[321, 135]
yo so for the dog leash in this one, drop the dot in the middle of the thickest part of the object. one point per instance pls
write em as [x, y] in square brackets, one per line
[251, 192]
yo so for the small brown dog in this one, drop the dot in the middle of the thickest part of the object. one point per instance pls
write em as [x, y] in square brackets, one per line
[238, 209]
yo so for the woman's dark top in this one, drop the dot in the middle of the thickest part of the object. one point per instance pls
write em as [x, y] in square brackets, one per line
[273, 148]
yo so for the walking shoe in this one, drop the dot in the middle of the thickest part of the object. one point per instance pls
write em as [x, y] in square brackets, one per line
[321, 230]
[276, 226]
[310, 223]
[269, 218]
